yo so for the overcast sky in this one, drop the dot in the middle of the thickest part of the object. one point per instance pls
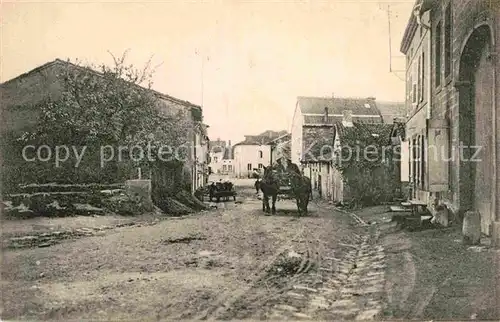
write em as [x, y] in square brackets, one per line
[261, 56]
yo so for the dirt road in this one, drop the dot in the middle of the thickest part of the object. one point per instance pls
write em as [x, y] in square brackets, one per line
[230, 263]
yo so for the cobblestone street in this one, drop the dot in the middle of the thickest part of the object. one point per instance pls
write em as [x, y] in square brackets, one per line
[229, 263]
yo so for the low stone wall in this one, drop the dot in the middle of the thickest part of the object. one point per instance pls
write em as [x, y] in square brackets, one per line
[53, 200]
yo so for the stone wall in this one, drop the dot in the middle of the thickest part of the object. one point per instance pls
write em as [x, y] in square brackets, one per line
[467, 15]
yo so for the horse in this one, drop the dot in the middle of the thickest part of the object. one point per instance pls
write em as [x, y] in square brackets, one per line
[257, 186]
[270, 187]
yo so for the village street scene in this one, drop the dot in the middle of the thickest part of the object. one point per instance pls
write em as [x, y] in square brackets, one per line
[319, 160]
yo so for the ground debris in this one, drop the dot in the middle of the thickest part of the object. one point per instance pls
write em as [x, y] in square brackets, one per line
[184, 239]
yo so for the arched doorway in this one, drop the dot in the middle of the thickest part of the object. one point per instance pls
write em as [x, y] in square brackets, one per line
[475, 87]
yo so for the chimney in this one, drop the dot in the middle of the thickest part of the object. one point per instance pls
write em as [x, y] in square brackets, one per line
[347, 118]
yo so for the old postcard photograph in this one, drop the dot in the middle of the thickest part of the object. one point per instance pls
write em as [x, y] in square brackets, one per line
[250, 160]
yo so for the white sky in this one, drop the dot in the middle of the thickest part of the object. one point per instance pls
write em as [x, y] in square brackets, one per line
[262, 55]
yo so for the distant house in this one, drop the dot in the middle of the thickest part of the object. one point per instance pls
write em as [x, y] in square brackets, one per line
[252, 154]
[227, 161]
[364, 175]
[318, 112]
[216, 152]
[312, 132]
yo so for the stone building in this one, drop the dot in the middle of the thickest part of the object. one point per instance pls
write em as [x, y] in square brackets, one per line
[453, 127]
[22, 96]
[313, 129]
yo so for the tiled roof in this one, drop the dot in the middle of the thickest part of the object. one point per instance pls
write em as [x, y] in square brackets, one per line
[377, 133]
[320, 119]
[285, 137]
[336, 105]
[261, 139]
[272, 134]
[391, 110]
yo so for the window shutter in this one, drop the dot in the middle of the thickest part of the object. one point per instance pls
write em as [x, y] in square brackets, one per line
[405, 161]
[422, 74]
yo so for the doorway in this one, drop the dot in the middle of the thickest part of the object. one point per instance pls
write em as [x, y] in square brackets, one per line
[475, 126]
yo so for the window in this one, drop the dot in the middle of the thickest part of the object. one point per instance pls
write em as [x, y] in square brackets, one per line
[260, 154]
[224, 167]
[215, 159]
[447, 41]
[438, 54]
[249, 167]
[261, 166]
[230, 168]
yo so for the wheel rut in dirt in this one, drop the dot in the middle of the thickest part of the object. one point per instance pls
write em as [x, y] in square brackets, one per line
[316, 278]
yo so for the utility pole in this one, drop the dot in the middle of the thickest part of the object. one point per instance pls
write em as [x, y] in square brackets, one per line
[203, 57]
[395, 72]
[390, 42]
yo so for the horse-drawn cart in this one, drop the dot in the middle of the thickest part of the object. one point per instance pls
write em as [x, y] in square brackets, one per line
[221, 190]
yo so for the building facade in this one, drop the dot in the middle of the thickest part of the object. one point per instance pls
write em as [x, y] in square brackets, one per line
[221, 159]
[313, 131]
[251, 155]
[22, 96]
[460, 131]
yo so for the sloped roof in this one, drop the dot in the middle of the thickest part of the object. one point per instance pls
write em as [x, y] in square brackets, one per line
[391, 110]
[60, 62]
[376, 133]
[336, 105]
[317, 144]
[282, 138]
[272, 134]
[315, 120]
[261, 139]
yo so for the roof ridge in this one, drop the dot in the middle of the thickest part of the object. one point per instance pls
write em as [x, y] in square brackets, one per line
[67, 62]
